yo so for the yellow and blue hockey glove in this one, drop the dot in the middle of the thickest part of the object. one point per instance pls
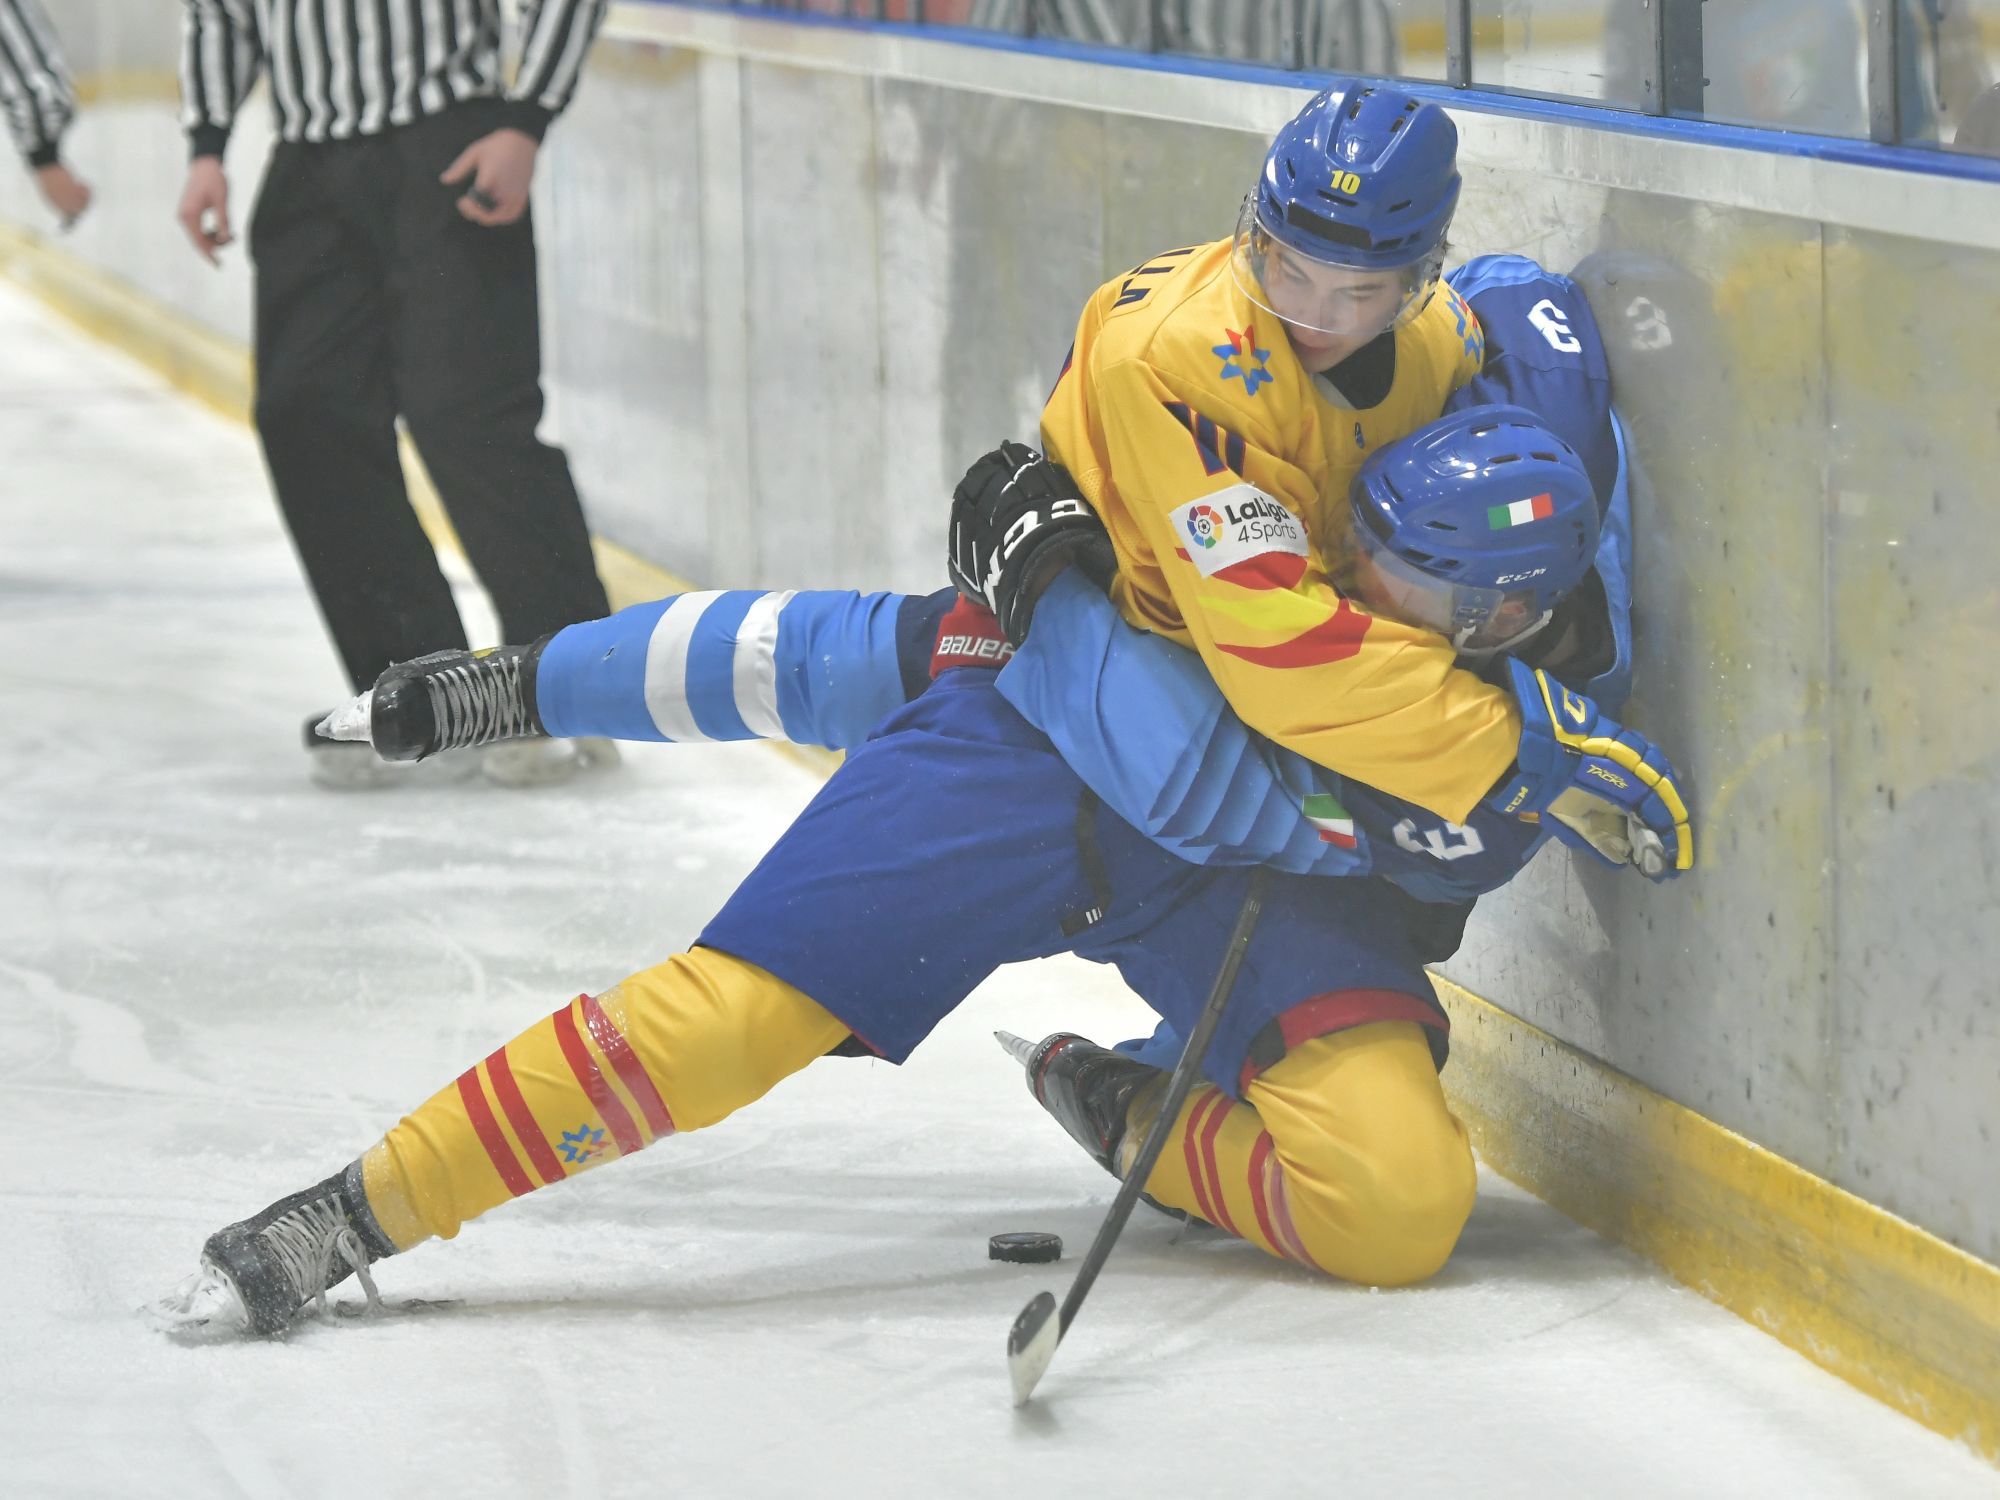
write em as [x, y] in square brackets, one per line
[1602, 787]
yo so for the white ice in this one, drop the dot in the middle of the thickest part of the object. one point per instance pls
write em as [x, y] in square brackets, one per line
[218, 984]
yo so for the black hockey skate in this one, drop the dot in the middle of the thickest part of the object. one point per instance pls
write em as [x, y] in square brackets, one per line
[454, 700]
[1088, 1088]
[297, 1250]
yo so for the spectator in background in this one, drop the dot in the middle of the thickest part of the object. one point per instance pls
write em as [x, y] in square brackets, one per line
[1348, 35]
[40, 101]
[395, 277]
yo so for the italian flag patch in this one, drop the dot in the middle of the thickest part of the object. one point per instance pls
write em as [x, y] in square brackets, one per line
[1331, 819]
[1520, 513]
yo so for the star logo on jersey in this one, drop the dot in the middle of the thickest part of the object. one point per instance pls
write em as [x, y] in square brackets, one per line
[1237, 356]
[581, 1145]
[1471, 335]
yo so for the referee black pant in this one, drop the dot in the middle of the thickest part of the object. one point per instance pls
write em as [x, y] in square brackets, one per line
[375, 299]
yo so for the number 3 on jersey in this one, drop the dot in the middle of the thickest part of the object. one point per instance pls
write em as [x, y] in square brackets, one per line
[1452, 841]
[1554, 325]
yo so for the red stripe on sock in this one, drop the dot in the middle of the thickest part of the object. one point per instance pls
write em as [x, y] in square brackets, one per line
[515, 1107]
[581, 1063]
[1192, 1151]
[1208, 1135]
[611, 1041]
[1260, 1162]
[488, 1130]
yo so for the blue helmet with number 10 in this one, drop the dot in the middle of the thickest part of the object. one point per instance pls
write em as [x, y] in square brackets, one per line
[1360, 186]
[1475, 526]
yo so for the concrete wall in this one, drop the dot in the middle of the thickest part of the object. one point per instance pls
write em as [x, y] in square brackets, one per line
[796, 277]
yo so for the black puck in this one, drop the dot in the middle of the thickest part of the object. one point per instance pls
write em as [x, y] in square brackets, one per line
[1029, 1246]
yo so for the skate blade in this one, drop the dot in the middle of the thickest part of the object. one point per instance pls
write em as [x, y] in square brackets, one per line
[532, 763]
[353, 1311]
[356, 768]
[1018, 1047]
[203, 1308]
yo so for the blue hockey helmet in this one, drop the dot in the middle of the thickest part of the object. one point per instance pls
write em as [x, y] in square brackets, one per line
[1364, 181]
[1474, 526]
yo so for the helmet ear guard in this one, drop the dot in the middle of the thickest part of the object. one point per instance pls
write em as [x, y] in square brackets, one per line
[1475, 526]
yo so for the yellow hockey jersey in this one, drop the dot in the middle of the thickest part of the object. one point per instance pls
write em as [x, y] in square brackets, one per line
[1221, 467]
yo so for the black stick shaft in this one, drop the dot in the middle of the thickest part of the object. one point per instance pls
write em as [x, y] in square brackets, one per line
[1179, 1086]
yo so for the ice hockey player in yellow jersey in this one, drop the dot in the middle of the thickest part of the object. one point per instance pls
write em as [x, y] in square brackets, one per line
[1282, 358]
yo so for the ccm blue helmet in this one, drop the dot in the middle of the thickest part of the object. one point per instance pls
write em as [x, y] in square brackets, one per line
[1363, 180]
[1474, 526]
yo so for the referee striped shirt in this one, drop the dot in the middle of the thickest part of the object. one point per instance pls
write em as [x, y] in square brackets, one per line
[342, 68]
[35, 89]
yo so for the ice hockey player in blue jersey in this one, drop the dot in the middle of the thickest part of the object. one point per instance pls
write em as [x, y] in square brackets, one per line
[956, 837]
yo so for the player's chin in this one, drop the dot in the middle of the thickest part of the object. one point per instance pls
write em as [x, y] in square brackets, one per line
[1320, 351]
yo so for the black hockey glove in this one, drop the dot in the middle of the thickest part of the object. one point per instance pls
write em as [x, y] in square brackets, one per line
[1017, 520]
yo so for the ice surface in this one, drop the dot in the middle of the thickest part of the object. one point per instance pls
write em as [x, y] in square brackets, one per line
[217, 984]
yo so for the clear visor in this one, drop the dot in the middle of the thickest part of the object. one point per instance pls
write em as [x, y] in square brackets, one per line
[1322, 294]
[1476, 621]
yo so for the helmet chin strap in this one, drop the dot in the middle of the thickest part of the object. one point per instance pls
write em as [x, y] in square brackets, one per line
[1487, 653]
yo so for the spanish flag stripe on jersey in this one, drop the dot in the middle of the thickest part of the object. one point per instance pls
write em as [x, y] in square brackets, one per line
[473, 1097]
[515, 1108]
[1334, 639]
[609, 1107]
[631, 1072]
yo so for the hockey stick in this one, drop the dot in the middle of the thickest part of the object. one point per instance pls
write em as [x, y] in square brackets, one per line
[1032, 1341]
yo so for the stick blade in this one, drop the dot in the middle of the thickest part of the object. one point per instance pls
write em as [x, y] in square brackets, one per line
[1031, 1344]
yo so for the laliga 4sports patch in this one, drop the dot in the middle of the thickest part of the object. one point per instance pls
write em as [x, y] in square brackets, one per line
[1243, 536]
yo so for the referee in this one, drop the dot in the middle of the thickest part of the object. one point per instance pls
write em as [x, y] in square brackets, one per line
[39, 101]
[395, 276]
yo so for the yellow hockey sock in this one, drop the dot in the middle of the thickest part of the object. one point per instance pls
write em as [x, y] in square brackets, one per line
[1344, 1157]
[673, 1048]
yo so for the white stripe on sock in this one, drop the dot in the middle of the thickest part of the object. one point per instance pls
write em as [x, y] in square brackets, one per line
[667, 664]
[755, 669]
